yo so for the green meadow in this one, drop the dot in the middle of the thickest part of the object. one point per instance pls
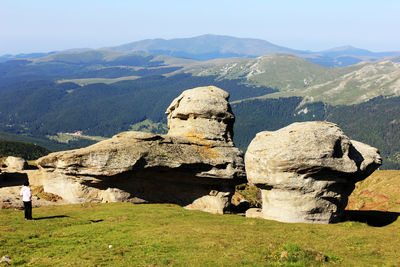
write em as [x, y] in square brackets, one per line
[125, 234]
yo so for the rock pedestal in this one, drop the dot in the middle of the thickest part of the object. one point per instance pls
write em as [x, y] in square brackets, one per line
[189, 166]
[306, 171]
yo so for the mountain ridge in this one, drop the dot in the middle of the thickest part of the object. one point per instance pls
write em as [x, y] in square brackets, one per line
[210, 46]
[204, 47]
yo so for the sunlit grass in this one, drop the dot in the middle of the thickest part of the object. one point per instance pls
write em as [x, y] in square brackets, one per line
[160, 235]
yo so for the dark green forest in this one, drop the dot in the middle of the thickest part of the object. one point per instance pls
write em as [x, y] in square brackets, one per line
[376, 122]
[270, 114]
[46, 107]
[20, 149]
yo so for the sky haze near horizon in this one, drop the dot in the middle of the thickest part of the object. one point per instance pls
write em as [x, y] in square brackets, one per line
[48, 25]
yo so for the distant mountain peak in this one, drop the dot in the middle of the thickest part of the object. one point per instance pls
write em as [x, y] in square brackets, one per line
[344, 48]
[205, 47]
[212, 46]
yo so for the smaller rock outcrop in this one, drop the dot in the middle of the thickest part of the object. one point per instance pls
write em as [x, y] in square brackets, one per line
[15, 164]
[306, 171]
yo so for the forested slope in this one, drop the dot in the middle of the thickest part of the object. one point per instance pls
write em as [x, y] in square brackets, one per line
[21, 149]
[46, 107]
[376, 122]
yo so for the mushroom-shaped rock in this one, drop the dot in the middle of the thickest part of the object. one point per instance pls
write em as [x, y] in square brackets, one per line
[15, 163]
[306, 171]
[202, 112]
[189, 170]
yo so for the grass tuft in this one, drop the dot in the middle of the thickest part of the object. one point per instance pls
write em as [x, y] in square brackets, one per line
[294, 255]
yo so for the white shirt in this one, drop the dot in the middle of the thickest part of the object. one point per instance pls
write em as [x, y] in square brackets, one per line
[26, 193]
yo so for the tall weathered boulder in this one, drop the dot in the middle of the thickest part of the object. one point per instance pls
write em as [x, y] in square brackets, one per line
[202, 113]
[188, 166]
[306, 171]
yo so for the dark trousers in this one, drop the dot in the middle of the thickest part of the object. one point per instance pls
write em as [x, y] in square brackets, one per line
[28, 209]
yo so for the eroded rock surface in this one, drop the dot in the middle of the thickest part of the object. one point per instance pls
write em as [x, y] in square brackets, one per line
[15, 163]
[202, 112]
[189, 166]
[306, 171]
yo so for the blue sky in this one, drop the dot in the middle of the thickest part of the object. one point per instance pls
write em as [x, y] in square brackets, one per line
[46, 25]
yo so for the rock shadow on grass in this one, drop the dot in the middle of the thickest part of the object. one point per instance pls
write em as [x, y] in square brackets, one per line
[373, 218]
[51, 217]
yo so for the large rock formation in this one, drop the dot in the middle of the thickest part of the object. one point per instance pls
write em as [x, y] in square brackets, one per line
[306, 171]
[189, 166]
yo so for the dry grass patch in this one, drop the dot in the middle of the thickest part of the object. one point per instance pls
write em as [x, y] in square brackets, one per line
[380, 191]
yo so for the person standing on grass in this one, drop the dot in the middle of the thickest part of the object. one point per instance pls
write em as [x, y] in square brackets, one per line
[26, 194]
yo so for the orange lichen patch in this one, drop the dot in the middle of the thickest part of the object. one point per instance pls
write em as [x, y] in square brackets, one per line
[198, 139]
[207, 152]
[194, 136]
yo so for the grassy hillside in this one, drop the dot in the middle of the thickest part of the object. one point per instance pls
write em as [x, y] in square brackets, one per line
[282, 71]
[123, 234]
[370, 81]
[380, 191]
[294, 76]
